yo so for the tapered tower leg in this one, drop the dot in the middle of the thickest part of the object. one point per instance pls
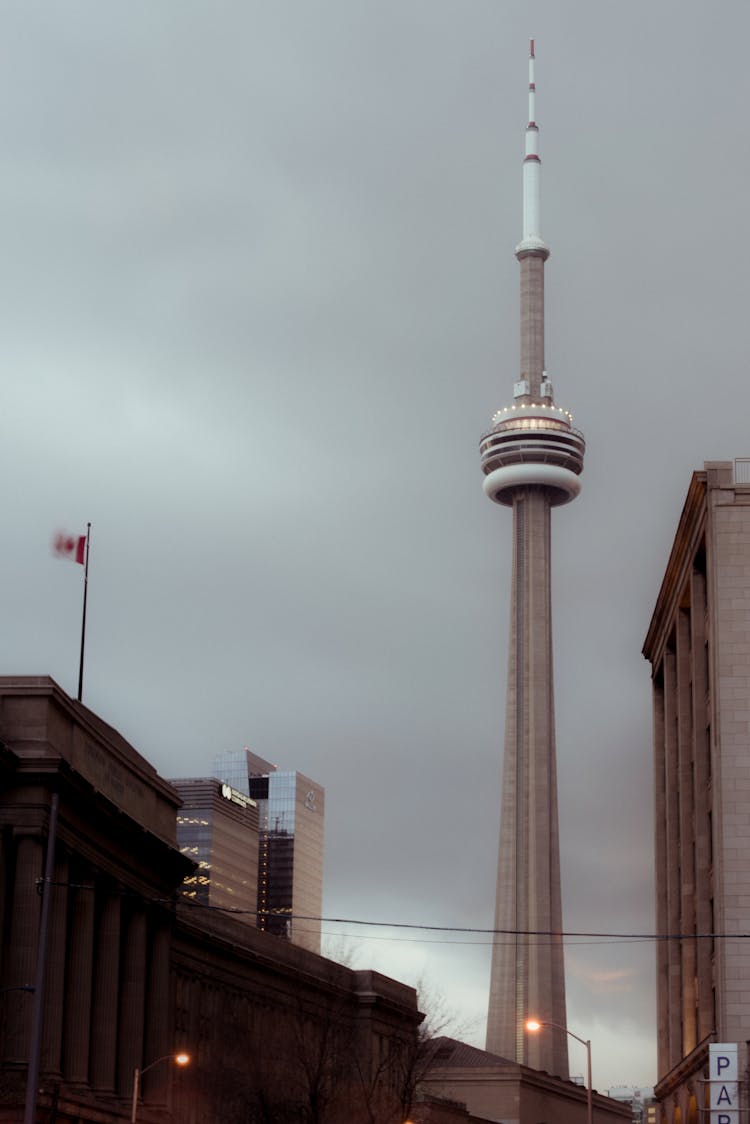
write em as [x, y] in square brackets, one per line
[527, 971]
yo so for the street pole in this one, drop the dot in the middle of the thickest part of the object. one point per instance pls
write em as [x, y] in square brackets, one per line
[136, 1085]
[536, 1024]
[589, 1105]
[178, 1059]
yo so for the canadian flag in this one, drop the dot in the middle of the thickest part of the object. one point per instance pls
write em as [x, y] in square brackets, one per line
[70, 546]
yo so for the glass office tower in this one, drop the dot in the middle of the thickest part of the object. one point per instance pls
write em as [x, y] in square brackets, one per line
[290, 848]
[217, 827]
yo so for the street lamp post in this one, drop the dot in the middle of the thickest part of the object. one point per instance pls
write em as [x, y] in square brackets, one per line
[178, 1059]
[536, 1024]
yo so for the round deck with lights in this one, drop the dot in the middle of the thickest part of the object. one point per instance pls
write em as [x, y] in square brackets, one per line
[532, 444]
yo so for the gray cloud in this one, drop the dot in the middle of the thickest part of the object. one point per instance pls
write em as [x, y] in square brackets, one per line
[257, 301]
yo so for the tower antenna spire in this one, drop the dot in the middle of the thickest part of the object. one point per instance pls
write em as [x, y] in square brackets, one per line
[532, 174]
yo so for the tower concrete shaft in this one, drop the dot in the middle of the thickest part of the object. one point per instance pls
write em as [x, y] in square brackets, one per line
[527, 977]
[532, 324]
[532, 459]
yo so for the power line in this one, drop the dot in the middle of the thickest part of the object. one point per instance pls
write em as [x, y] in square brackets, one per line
[579, 943]
[566, 934]
[415, 926]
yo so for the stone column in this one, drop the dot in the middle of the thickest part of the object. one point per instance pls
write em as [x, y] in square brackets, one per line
[660, 855]
[672, 809]
[703, 844]
[77, 1036]
[189, 1003]
[104, 1014]
[159, 1035]
[4, 881]
[54, 988]
[24, 943]
[686, 769]
[132, 999]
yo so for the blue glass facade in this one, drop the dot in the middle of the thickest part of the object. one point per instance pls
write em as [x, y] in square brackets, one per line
[290, 845]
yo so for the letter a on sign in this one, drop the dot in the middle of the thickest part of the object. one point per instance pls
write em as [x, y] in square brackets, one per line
[722, 1075]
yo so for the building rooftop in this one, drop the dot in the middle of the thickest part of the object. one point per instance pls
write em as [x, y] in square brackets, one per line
[451, 1052]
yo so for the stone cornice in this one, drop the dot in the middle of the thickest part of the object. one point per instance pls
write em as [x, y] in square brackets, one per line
[42, 725]
[687, 539]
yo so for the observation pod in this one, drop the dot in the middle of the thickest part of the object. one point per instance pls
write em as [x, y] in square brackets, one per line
[533, 444]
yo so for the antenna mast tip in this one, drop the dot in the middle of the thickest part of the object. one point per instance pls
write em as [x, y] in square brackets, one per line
[531, 48]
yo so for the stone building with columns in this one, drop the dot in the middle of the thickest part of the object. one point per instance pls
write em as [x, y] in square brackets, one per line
[127, 973]
[112, 898]
[698, 644]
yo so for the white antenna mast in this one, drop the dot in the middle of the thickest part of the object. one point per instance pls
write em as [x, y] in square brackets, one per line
[532, 174]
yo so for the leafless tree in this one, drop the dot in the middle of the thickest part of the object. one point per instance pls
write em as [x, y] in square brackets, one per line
[388, 1091]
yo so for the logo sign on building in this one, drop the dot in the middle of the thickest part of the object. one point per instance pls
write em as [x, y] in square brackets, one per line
[722, 1076]
[236, 797]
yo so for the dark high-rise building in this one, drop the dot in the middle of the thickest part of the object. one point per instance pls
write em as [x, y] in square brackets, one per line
[290, 852]
[217, 827]
[532, 459]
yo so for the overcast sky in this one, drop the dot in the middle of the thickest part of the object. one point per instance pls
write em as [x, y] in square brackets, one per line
[258, 300]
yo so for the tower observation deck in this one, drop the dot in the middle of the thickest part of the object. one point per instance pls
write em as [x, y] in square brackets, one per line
[532, 459]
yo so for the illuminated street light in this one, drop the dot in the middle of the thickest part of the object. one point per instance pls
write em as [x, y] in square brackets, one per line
[536, 1024]
[178, 1059]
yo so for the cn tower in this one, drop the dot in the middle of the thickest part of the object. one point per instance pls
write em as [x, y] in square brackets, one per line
[532, 460]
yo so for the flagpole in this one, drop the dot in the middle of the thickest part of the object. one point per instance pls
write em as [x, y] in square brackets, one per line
[83, 623]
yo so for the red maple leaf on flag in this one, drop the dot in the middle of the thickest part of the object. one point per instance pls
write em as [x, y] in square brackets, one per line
[70, 546]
